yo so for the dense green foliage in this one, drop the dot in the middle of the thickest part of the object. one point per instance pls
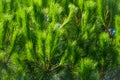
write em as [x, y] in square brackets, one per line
[58, 39]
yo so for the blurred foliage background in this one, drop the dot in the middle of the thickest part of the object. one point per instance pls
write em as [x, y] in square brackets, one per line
[59, 39]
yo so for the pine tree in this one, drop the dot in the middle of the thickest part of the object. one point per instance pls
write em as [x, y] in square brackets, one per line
[58, 39]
